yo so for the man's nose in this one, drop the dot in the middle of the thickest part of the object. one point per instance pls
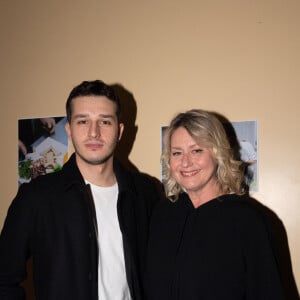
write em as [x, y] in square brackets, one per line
[94, 130]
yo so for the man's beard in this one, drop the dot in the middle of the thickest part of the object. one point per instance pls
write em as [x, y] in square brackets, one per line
[95, 162]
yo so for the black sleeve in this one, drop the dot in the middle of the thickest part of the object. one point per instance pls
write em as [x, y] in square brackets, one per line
[262, 272]
[15, 245]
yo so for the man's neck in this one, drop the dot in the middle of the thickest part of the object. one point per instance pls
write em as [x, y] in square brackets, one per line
[101, 175]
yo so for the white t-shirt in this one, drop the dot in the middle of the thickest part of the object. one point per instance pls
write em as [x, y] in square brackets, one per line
[112, 282]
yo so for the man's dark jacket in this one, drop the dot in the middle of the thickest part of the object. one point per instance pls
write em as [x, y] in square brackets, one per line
[52, 219]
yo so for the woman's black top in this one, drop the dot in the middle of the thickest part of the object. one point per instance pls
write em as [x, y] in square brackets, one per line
[218, 251]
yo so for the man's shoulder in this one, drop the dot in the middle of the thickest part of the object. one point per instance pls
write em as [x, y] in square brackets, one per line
[45, 182]
[66, 175]
[143, 177]
[135, 177]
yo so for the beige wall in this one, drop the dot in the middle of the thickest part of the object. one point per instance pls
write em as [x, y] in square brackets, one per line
[240, 58]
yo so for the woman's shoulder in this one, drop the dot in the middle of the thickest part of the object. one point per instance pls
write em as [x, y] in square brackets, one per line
[246, 211]
[241, 206]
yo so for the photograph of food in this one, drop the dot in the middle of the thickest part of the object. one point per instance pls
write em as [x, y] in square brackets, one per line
[43, 146]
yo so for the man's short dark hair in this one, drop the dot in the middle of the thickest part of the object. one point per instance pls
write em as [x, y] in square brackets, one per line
[92, 88]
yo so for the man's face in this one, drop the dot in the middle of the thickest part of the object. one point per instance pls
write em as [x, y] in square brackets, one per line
[94, 129]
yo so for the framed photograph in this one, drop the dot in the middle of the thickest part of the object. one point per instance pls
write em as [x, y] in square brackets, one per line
[42, 146]
[246, 135]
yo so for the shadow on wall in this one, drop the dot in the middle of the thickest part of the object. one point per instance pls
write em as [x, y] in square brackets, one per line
[128, 117]
[276, 227]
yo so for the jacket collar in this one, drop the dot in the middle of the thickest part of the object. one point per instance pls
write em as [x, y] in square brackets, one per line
[124, 177]
[73, 176]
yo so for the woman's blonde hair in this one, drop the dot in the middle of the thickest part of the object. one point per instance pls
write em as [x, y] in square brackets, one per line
[205, 128]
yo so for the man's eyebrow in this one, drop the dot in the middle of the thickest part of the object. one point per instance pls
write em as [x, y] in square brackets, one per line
[80, 116]
[106, 116]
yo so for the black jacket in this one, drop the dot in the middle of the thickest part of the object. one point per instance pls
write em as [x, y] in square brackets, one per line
[52, 220]
[222, 250]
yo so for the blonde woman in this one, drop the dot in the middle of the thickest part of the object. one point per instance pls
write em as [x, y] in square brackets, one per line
[206, 241]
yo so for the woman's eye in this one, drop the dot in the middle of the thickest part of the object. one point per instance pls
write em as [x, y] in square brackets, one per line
[197, 150]
[176, 153]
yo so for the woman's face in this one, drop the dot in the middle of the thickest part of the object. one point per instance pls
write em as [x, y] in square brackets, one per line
[192, 165]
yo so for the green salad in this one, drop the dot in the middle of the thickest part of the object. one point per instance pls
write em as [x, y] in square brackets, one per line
[24, 169]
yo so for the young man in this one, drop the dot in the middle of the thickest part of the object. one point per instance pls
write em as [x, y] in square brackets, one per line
[85, 227]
